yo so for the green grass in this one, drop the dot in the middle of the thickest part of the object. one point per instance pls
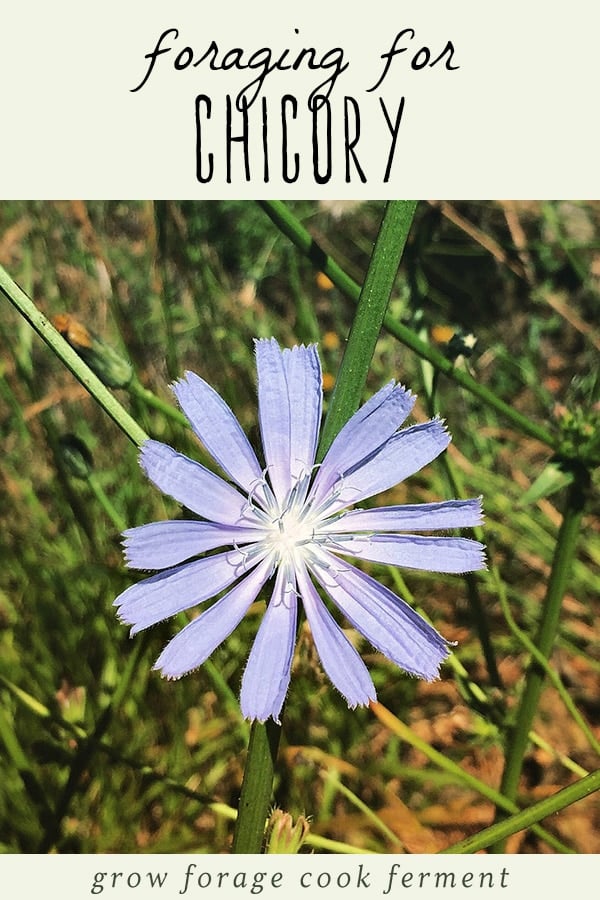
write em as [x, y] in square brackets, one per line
[99, 754]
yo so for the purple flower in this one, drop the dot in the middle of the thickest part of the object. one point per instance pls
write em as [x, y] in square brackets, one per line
[291, 521]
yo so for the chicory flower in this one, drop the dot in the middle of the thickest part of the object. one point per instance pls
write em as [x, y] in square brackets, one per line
[294, 522]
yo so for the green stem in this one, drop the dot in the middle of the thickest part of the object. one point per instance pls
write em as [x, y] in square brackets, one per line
[287, 222]
[368, 320]
[257, 787]
[105, 502]
[136, 389]
[557, 585]
[69, 357]
[536, 813]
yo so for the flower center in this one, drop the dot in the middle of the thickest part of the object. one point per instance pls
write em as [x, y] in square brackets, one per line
[288, 533]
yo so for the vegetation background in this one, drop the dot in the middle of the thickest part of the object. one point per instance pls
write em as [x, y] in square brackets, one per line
[98, 753]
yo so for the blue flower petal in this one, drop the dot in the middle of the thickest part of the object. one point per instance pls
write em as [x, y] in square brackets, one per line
[367, 431]
[191, 484]
[174, 590]
[405, 453]
[267, 675]
[410, 517]
[341, 662]
[274, 415]
[304, 382]
[163, 544]
[195, 643]
[388, 622]
[218, 429]
[432, 554]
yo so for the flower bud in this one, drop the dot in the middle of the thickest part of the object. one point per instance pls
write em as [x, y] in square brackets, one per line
[76, 457]
[284, 836]
[110, 367]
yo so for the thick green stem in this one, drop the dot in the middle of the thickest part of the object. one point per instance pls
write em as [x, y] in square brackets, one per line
[548, 627]
[257, 787]
[370, 313]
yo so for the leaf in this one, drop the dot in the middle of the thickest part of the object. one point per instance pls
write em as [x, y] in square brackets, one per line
[552, 479]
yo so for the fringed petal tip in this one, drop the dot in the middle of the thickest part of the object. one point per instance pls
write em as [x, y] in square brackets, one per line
[181, 386]
[398, 386]
[301, 348]
[443, 424]
[274, 343]
[153, 453]
[436, 420]
[262, 342]
[359, 703]
[483, 566]
[124, 620]
[174, 385]
[356, 695]
[187, 376]
[433, 673]
[125, 542]
[186, 379]
[129, 552]
[178, 386]
[479, 562]
[144, 447]
[168, 676]
[479, 514]
[430, 674]
[262, 719]
[427, 666]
